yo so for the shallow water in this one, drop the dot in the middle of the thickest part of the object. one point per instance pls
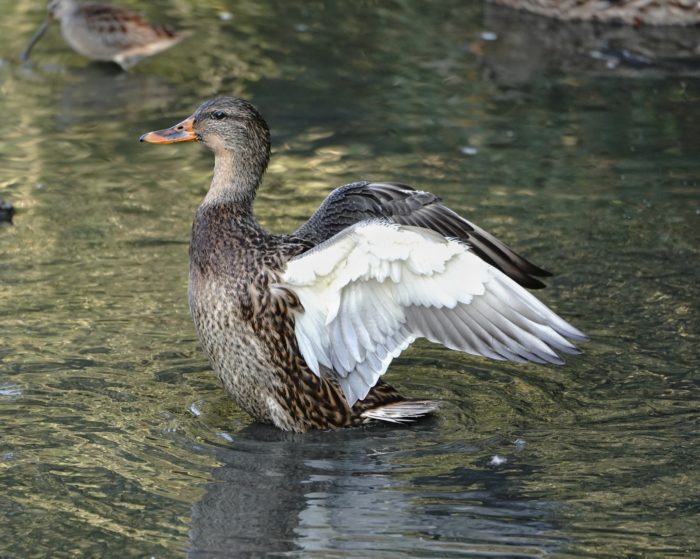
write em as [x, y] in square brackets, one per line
[116, 440]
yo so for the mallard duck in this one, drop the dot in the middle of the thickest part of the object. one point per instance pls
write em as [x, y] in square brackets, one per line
[106, 33]
[300, 328]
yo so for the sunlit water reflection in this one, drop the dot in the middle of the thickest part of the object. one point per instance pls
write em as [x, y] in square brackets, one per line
[116, 439]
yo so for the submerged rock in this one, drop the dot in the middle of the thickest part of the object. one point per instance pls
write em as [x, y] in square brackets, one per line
[630, 12]
[6, 211]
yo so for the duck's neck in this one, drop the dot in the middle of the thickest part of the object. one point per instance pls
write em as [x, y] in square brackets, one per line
[234, 183]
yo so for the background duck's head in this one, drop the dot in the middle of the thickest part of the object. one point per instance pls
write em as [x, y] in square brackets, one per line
[55, 9]
[58, 8]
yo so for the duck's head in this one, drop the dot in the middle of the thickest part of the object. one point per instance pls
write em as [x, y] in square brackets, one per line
[225, 125]
[237, 134]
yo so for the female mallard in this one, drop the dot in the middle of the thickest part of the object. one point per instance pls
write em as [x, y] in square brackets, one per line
[106, 33]
[300, 327]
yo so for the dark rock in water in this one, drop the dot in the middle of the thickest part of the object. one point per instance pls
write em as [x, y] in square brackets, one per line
[6, 211]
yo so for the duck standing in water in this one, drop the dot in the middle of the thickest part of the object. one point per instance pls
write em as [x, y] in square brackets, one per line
[300, 327]
[106, 33]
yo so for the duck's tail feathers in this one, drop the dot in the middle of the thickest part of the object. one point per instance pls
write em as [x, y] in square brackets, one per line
[402, 412]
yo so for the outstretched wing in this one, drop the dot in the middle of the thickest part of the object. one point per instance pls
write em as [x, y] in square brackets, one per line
[401, 204]
[370, 291]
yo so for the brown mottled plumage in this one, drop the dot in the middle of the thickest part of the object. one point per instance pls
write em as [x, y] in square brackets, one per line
[243, 313]
[107, 33]
[247, 333]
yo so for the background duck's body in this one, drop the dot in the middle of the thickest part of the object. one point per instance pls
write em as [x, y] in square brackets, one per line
[107, 33]
[300, 328]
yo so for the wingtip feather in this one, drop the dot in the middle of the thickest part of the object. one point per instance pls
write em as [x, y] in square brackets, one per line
[402, 412]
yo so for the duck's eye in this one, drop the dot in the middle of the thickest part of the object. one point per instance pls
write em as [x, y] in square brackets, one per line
[218, 115]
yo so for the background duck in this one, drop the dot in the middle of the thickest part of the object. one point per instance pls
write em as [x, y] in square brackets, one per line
[300, 327]
[106, 33]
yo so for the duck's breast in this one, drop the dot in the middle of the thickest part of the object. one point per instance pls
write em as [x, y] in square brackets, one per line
[241, 359]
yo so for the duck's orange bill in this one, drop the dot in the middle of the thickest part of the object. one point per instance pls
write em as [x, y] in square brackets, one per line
[181, 132]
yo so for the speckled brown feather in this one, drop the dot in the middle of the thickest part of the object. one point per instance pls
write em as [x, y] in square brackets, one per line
[122, 27]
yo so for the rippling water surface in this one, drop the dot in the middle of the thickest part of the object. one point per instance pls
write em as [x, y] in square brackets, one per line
[115, 438]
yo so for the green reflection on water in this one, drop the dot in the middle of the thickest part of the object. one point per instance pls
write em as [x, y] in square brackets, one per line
[111, 421]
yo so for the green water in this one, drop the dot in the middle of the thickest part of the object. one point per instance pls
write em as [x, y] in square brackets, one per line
[115, 438]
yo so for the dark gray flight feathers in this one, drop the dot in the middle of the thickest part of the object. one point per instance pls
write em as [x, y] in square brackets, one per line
[402, 204]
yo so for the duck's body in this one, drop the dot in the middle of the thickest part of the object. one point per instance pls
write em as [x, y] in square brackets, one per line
[247, 333]
[300, 327]
[107, 33]
[247, 328]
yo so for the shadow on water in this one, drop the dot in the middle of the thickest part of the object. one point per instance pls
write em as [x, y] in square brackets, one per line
[353, 492]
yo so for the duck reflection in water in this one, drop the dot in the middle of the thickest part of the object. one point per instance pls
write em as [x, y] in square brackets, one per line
[351, 493]
[99, 90]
